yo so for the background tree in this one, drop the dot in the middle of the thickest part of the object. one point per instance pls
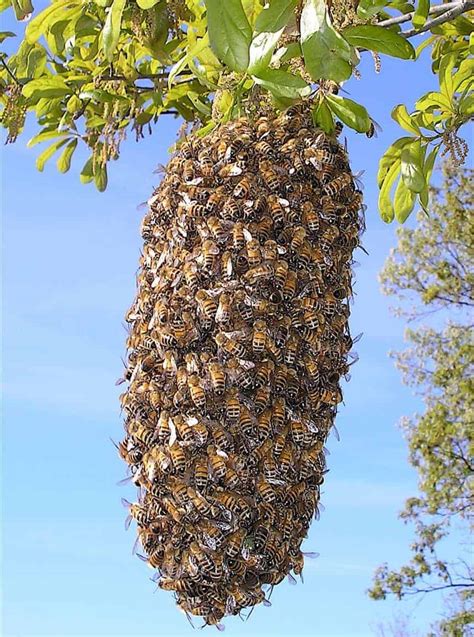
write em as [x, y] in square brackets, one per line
[91, 71]
[432, 272]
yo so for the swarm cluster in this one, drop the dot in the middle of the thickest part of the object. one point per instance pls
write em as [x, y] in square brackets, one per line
[238, 338]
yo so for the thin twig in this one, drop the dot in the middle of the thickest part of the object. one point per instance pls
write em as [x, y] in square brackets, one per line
[406, 17]
[10, 73]
[456, 11]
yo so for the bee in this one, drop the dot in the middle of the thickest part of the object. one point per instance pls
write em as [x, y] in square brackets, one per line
[270, 177]
[254, 254]
[217, 375]
[190, 274]
[258, 273]
[310, 217]
[178, 458]
[196, 391]
[230, 345]
[263, 148]
[232, 405]
[209, 253]
[216, 460]
[246, 423]
[178, 585]
[290, 285]
[198, 560]
[337, 185]
[261, 399]
[297, 431]
[276, 210]
[161, 312]
[201, 473]
[278, 413]
[241, 375]
[206, 303]
[291, 350]
[286, 458]
[263, 126]
[264, 421]
[183, 428]
[188, 170]
[281, 272]
[265, 491]
[163, 429]
[259, 337]
[200, 503]
[235, 542]
[264, 373]
[136, 512]
[263, 228]
[231, 209]
[212, 537]
[176, 513]
[217, 230]
[244, 188]
[144, 434]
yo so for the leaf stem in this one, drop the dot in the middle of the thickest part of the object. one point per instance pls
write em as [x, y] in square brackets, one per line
[9, 71]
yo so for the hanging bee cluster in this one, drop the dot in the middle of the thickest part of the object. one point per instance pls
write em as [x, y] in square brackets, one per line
[238, 338]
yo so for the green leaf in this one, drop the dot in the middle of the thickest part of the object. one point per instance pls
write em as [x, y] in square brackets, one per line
[100, 177]
[466, 105]
[429, 165]
[385, 203]
[445, 72]
[111, 31]
[349, 112]
[230, 33]
[252, 10]
[412, 166]
[4, 4]
[375, 38]
[464, 72]
[402, 117]
[326, 52]
[43, 20]
[421, 13]
[48, 153]
[23, 9]
[323, 117]
[269, 27]
[283, 84]
[433, 100]
[6, 34]
[53, 86]
[392, 154]
[64, 160]
[44, 136]
[87, 174]
[147, 4]
[403, 202]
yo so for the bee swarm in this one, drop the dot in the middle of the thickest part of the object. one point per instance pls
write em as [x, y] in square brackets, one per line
[238, 338]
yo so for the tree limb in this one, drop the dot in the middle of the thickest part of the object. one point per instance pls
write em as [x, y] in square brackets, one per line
[406, 17]
[446, 16]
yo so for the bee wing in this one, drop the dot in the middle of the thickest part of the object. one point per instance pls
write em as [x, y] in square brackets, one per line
[173, 435]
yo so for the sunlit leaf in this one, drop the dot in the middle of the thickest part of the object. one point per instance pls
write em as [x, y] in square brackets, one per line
[412, 166]
[230, 33]
[23, 9]
[48, 153]
[283, 84]
[87, 174]
[385, 203]
[428, 168]
[323, 117]
[6, 34]
[392, 154]
[326, 52]
[111, 31]
[269, 27]
[64, 160]
[421, 13]
[375, 38]
[53, 86]
[147, 4]
[100, 177]
[402, 117]
[403, 201]
[349, 112]
[37, 27]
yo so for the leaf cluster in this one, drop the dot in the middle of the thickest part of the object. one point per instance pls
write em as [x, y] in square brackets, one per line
[92, 70]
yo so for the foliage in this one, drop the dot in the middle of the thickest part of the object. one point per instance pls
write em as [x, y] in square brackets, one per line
[90, 70]
[433, 267]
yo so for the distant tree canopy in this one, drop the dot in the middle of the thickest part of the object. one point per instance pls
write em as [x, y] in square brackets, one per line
[432, 272]
[92, 70]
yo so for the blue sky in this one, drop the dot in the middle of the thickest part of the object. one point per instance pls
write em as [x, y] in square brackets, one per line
[70, 256]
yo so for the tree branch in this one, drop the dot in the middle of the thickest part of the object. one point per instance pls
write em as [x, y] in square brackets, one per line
[406, 17]
[446, 16]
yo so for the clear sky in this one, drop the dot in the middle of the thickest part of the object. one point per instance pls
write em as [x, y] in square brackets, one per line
[70, 256]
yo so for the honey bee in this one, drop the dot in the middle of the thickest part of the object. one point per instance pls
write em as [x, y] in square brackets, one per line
[261, 399]
[206, 303]
[254, 254]
[337, 185]
[161, 312]
[196, 391]
[264, 373]
[231, 209]
[230, 345]
[200, 503]
[244, 188]
[209, 253]
[217, 463]
[235, 542]
[232, 405]
[217, 375]
[259, 337]
[263, 126]
[276, 210]
[136, 512]
[246, 423]
[190, 274]
[176, 513]
[258, 273]
[201, 473]
[286, 458]
[278, 413]
[271, 178]
[281, 272]
[290, 285]
[178, 458]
